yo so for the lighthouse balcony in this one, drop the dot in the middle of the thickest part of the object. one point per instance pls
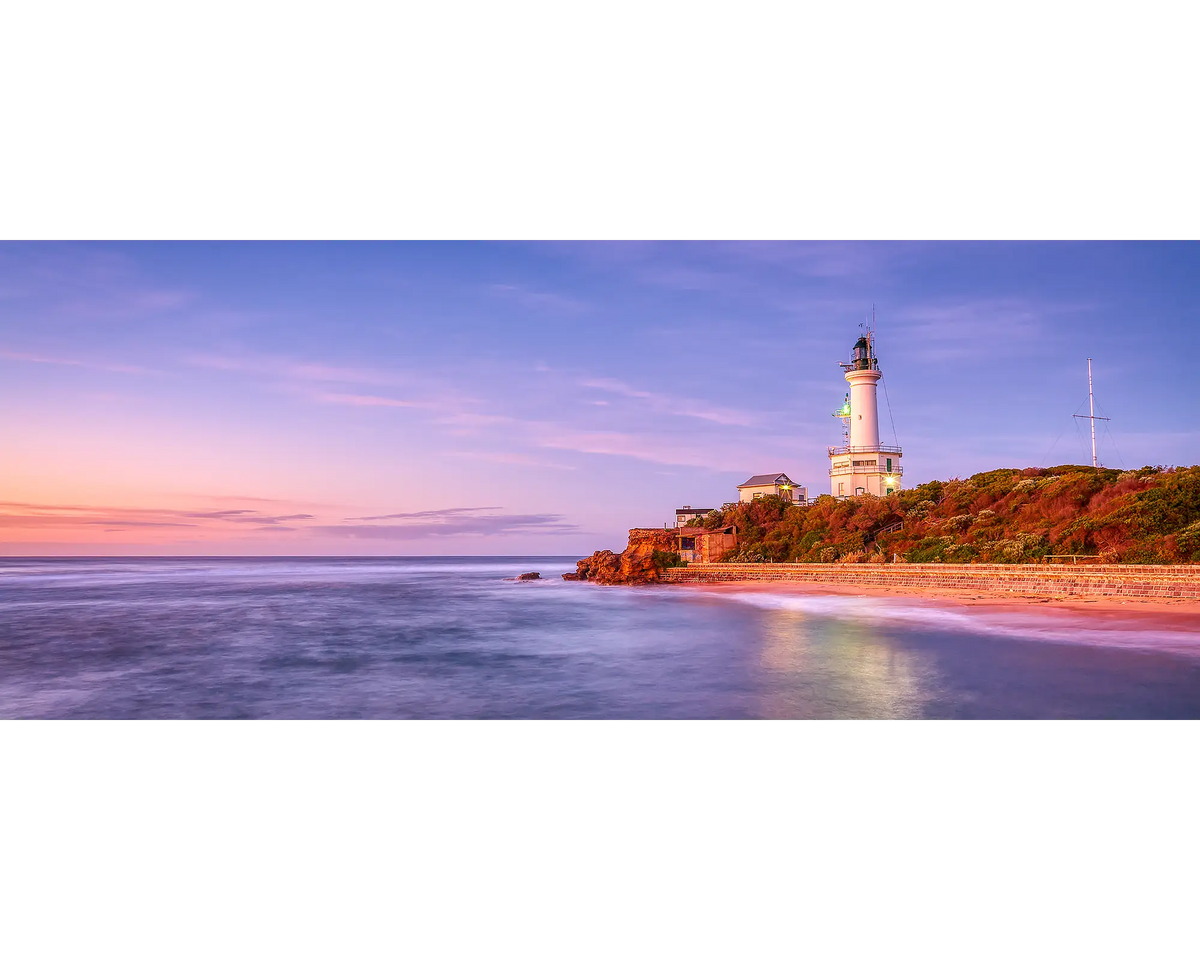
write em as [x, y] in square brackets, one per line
[870, 448]
[863, 468]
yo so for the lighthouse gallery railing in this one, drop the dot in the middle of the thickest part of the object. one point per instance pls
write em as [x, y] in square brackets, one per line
[869, 448]
[847, 469]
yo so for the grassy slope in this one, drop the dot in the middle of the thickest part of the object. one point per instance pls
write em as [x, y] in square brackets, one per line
[1150, 515]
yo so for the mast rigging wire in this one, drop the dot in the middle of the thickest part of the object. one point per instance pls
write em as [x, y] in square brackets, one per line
[895, 439]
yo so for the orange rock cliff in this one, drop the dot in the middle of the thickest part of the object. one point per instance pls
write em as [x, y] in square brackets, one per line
[634, 565]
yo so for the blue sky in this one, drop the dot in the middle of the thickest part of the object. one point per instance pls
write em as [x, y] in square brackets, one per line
[462, 398]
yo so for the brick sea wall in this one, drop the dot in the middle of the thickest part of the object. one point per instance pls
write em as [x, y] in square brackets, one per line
[1180, 581]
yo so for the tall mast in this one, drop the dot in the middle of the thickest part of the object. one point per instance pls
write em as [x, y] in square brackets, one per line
[1092, 411]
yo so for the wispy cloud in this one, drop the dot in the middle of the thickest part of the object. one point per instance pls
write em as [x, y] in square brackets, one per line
[247, 516]
[72, 362]
[449, 522]
[49, 517]
[515, 459]
[735, 265]
[470, 419]
[687, 278]
[443, 514]
[613, 443]
[821, 260]
[676, 406]
[288, 368]
[365, 400]
[953, 329]
[537, 299]
[83, 283]
[312, 381]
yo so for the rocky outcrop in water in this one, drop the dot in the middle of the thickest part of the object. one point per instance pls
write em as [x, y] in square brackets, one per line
[635, 564]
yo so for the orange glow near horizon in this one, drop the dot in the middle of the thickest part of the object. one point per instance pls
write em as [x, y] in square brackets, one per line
[22, 522]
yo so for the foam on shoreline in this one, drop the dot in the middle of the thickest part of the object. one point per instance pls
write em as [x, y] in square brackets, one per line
[1168, 626]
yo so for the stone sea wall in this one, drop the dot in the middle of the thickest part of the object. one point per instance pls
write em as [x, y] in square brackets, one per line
[1145, 581]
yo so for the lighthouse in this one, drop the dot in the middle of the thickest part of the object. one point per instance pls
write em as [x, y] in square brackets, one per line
[862, 464]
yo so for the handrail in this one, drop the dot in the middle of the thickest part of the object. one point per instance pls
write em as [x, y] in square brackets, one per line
[869, 448]
[848, 468]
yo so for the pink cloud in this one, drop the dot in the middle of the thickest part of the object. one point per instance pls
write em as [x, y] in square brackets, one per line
[71, 362]
[85, 519]
[365, 400]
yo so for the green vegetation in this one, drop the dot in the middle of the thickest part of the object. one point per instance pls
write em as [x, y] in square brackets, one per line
[1151, 515]
[665, 559]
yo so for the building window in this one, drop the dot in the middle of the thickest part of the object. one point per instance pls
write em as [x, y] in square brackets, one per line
[889, 464]
[859, 491]
[841, 489]
[687, 543]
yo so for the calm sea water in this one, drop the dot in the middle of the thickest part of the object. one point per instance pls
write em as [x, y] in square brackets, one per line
[454, 638]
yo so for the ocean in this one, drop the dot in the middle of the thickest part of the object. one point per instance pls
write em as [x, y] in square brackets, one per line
[458, 638]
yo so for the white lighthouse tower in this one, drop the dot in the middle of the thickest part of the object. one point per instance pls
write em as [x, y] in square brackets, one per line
[863, 465]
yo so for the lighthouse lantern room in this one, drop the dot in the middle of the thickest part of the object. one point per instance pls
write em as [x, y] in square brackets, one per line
[862, 464]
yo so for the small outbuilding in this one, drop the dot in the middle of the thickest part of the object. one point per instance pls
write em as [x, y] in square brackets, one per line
[697, 545]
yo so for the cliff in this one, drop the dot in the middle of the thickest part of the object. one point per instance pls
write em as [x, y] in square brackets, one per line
[637, 563]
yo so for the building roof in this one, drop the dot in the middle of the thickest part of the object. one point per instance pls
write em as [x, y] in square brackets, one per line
[696, 510]
[702, 531]
[766, 480]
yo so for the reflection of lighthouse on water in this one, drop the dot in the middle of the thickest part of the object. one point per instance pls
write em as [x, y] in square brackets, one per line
[862, 465]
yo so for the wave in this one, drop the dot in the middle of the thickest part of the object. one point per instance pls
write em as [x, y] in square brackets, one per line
[1057, 626]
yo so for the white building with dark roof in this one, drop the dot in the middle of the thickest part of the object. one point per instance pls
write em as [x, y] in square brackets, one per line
[771, 485]
[687, 515]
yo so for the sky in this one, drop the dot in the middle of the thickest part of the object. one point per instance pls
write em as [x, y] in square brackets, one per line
[541, 398]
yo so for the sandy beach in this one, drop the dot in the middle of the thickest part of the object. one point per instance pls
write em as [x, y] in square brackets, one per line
[1116, 612]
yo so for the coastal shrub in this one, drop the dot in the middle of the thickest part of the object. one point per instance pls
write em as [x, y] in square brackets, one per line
[960, 553]
[929, 550]
[744, 556]
[1002, 516]
[921, 509]
[958, 523]
[1188, 542]
[665, 560]
[1024, 547]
